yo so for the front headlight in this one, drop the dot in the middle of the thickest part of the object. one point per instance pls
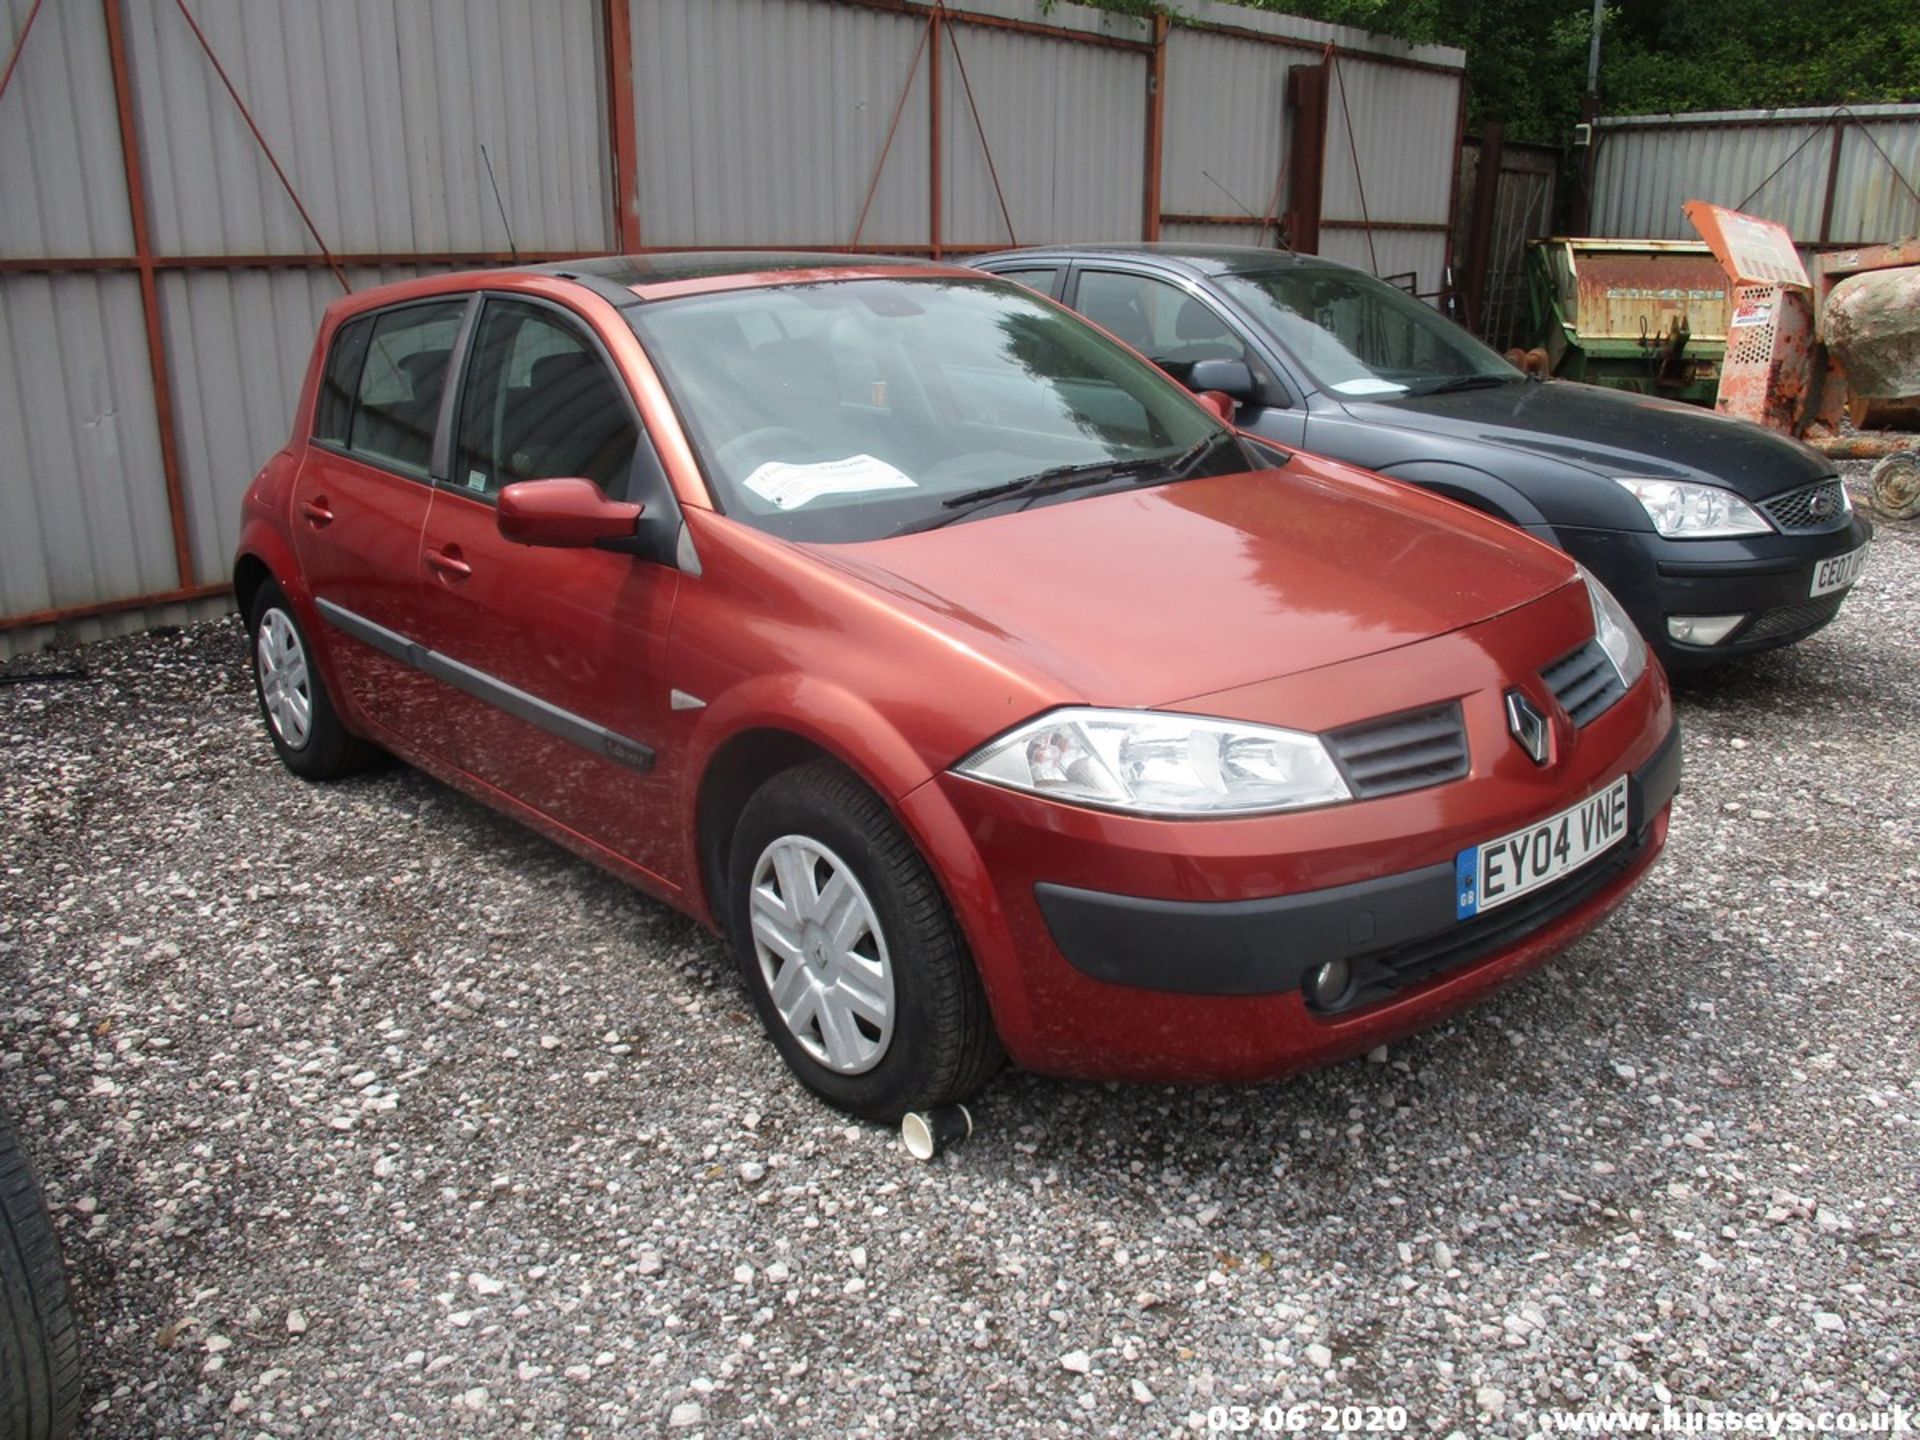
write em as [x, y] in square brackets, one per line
[1156, 763]
[1695, 512]
[1615, 631]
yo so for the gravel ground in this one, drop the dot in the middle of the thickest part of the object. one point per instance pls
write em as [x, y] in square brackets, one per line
[364, 1111]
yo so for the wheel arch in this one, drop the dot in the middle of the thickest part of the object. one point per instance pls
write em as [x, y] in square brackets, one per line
[733, 772]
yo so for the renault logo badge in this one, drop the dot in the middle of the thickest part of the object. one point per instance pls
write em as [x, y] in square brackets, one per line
[1528, 725]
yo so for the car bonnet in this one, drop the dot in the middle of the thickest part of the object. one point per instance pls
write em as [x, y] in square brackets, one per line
[1610, 432]
[1147, 597]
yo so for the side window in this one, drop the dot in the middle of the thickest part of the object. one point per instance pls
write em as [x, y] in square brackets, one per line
[540, 404]
[1163, 322]
[1045, 279]
[333, 413]
[402, 376]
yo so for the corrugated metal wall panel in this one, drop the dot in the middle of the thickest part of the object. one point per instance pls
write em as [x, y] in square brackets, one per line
[1641, 178]
[240, 341]
[1065, 17]
[64, 188]
[1066, 124]
[1647, 166]
[1874, 202]
[80, 481]
[1404, 130]
[760, 122]
[1399, 252]
[1218, 235]
[1227, 124]
[377, 112]
[1319, 33]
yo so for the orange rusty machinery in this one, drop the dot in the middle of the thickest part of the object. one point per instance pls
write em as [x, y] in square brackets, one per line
[1779, 369]
[1774, 372]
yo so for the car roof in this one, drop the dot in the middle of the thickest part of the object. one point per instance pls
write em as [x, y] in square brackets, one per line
[629, 279]
[1198, 259]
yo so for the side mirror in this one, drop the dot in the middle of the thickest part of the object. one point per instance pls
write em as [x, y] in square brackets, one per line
[1221, 403]
[565, 514]
[1231, 378]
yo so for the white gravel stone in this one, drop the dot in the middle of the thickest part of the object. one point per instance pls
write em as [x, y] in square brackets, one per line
[199, 954]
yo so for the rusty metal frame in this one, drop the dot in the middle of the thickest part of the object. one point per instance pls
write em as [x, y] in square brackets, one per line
[1453, 191]
[1290, 42]
[1002, 22]
[1156, 128]
[171, 470]
[261, 140]
[19, 44]
[66, 613]
[1486, 198]
[934, 123]
[1267, 222]
[622, 126]
[986, 150]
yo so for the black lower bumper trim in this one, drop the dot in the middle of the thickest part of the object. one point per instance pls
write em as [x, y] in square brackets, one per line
[1393, 930]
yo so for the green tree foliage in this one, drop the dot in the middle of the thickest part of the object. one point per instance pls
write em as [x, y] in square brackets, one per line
[1527, 59]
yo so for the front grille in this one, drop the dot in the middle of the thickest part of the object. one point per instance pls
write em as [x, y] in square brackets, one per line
[1792, 619]
[1408, 751]
[1585, 683]
[1811, 508]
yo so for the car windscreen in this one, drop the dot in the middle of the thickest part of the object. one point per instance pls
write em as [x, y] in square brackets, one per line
[1360, 337]
[846, 410]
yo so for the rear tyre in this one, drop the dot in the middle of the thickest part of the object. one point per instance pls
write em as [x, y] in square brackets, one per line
[39, 1339]
[300, 718]
[855, 964]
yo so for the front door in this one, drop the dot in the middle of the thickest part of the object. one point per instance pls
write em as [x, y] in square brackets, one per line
[548, 660]
[1176, 329]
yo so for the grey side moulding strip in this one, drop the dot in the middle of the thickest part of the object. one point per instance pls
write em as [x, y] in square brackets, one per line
[573, 728]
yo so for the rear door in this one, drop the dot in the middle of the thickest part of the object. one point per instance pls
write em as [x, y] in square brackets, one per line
[549, 661]
[360, 501]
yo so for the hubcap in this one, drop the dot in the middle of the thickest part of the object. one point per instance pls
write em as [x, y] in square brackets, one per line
[822, 954]
[285, 689]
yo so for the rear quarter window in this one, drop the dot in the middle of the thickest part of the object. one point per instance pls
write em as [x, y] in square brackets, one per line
[334, 413]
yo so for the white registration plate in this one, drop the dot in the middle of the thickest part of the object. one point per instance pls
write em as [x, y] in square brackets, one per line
[1838, 573]
[1489, 875]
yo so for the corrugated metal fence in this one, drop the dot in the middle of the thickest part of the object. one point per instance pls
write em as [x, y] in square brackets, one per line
[161, 263]
[1841, 177]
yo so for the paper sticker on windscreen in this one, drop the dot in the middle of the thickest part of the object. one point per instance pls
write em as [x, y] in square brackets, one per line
[788, 486]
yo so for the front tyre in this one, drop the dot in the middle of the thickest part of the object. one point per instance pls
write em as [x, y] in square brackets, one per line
[853, 959]
[300, 718]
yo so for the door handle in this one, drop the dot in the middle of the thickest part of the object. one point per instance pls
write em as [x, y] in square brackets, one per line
[316, 512]
[448, 562]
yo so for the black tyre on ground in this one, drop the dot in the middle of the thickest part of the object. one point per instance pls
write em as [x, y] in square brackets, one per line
[299, 714]
[39, 1339]
[853, 959]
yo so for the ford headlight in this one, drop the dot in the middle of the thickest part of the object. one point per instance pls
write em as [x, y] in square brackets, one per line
[1616, 632]
[1687, 511]
[1155, 763]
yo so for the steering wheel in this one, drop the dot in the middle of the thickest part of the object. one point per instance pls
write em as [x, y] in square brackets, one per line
[766, 443]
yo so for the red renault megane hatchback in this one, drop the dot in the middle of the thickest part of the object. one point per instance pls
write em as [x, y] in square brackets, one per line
[992, 696]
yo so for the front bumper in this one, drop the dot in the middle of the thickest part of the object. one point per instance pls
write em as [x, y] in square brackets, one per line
[1061, 1008]
[1766, 578]
[1395, 931]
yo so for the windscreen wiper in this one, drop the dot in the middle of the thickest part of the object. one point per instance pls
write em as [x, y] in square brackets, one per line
[1464, 382]
[1057, 479]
